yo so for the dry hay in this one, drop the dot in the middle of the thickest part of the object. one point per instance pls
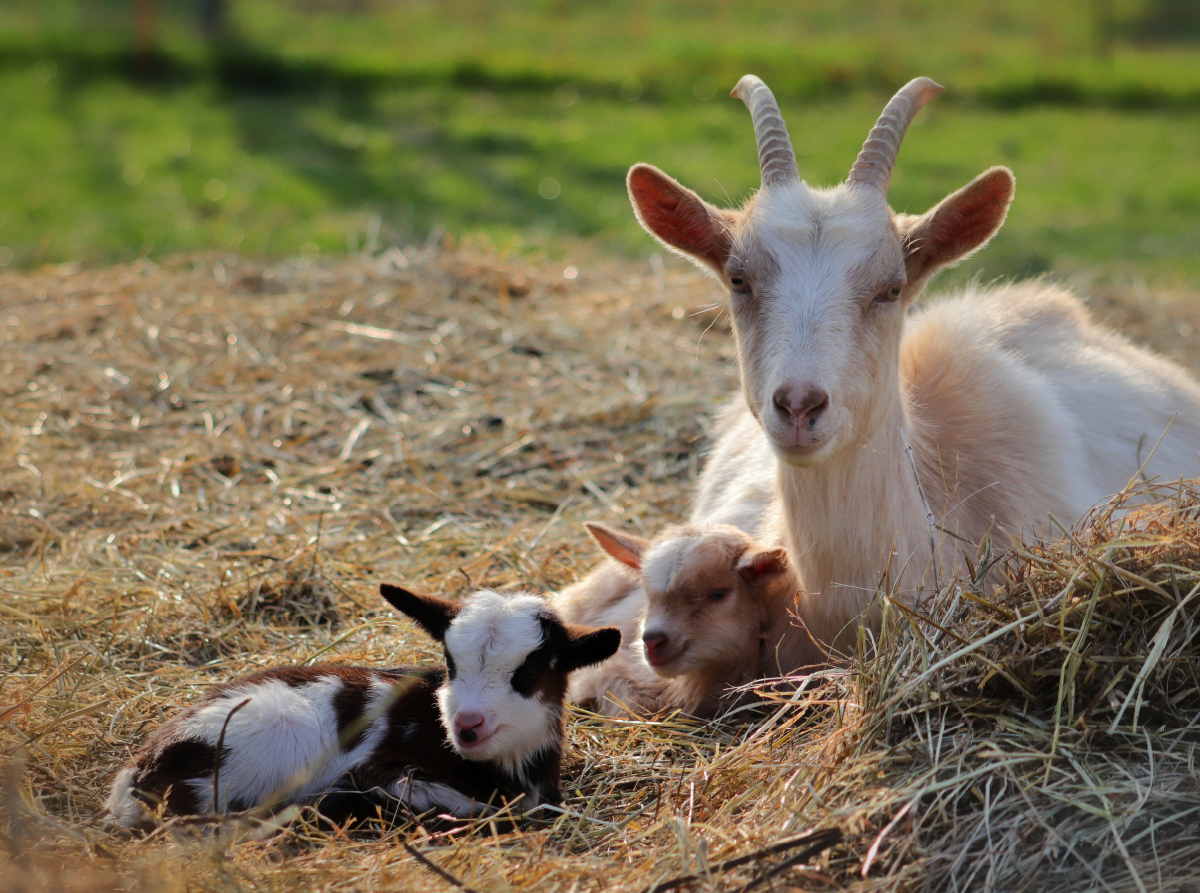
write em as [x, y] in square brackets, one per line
[210, 466]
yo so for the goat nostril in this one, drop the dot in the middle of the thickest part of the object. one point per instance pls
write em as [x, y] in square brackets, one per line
[801, 405]
[467, 735]
[817, 401]
[783, 401]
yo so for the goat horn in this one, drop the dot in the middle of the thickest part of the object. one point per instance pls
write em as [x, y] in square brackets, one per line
[878, 155]
[776, 160]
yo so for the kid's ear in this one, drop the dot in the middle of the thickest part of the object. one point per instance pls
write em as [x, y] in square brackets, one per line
[679, 218]
[587, 645]
[432, 614]
[625, 547]
[958, 226]
[758, 565]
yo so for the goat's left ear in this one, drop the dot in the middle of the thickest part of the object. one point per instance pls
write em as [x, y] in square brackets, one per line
[587, 645]
[758, 565]
[958, 226]
[432, 614]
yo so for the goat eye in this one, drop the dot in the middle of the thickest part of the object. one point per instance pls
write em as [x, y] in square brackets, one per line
[717, 594]
[889, 294]
[451, 670]
[737, 283]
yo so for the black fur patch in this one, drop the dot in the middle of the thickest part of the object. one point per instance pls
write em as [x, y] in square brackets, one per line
[525, 678]
[172, 766]
[432, 614]
[349, 705]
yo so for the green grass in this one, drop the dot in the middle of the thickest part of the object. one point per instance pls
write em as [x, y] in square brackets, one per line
[463, 115]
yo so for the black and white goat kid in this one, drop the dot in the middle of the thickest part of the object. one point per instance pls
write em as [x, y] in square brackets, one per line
[486, 728]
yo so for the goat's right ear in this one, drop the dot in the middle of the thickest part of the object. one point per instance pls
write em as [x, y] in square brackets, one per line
[432, 614]
[679, 218]
[958, 226]
[587, 645]
[625, 547]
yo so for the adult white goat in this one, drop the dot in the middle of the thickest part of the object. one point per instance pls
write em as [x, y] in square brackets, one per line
[1015, 404]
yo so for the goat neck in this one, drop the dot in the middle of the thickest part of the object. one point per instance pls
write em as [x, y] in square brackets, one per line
[855, 526]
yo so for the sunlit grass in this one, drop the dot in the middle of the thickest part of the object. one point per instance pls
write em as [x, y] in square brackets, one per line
[518, 122]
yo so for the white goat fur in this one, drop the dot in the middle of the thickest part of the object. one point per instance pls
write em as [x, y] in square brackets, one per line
[1016, 405]
[297, 726]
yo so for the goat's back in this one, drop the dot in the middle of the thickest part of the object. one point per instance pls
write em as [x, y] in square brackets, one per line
[1024, 407]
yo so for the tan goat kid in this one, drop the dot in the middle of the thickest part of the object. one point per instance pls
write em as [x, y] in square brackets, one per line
[1015, 404]
[706, 609]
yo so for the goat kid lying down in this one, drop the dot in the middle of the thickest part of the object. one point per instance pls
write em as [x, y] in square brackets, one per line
[709, 609]
[484, 729]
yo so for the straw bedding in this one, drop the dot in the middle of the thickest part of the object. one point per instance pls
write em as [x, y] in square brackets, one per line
[210, 465]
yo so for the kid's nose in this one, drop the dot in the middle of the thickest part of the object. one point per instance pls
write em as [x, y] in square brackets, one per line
[656, 646]
[467, 725]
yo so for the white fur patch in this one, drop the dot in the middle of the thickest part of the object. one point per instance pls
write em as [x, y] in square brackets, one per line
[488, 641]
[284, 741]
[665, 560]
[422, 796]
[125, 810]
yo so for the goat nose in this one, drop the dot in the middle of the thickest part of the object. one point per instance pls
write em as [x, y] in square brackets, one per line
[468, 722]
[654, 643]
[801, 405]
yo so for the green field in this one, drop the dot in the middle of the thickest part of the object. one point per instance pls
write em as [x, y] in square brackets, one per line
[315, 123]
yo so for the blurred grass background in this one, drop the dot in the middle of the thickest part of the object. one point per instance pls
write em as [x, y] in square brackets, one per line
[318, 127]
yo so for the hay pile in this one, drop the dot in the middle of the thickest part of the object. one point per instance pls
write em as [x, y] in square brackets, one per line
[1043, 736]
[210, 465]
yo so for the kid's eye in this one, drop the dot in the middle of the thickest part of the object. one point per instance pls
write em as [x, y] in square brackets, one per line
[738, 283]
[717, 594]
[889, 294]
